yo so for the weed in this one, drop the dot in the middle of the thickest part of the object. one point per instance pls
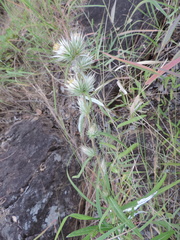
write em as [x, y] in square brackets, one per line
[129, 143]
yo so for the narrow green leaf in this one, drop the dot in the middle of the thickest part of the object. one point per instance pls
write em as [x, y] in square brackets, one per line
[98, 201]
[155, 189]
[177, 55]
[164, 236]
[83, 231]
[167, 187]
[88, 237]
[85, 6]
[111, 137]
[132, 120]
[108, 145]
[60, 227]
[105, 235]
[105, 214]
[164, 224]
[147, 223]
[80, 193]
[122, 217]
[155, 3]
[74, 215]
[158, 185]
[82, 168]
[18, 73]
[82, 217]
[89, 230]
[171, 164]
[128, 150]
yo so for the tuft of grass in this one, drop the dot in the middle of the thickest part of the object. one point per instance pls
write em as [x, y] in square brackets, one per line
[121, 102]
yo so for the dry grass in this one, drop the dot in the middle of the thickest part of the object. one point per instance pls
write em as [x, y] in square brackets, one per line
[137, 139]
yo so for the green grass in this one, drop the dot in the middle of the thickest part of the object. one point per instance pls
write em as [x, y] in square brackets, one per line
[132, 181]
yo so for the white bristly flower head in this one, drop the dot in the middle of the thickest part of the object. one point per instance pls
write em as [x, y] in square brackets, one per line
[62, 51]
[84, 106]
[82, 63]
[68, 49]
[77, 44]
[88, 151]
[73, 51]
[103, 167]
[92, 131]
[82, 85]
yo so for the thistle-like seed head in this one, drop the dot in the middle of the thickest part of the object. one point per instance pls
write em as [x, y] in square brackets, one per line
[93, 131]
[84, 106]
[88, 151]
[82, 85]
[74, 52]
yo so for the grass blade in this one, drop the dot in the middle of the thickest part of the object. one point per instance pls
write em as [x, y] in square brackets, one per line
[84, 231]
[113, 11]
[111, 137]
[133, 64]
[73, 215]
[105, 235]
[169, 33]
[156, 5]
[122, 217]
[88, 230]
[82, 217]
[164, 236]
[160, 72]
[128, 150]
[132, 120]
[80, 193]
[167, 187]
[60, 227]
[155, 189]
[108, 145]
[82, 168]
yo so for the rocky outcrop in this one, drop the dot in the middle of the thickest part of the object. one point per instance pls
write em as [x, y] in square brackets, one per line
[35, 193]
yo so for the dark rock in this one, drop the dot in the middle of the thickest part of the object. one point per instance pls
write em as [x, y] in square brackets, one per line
[34, 190]
[100, 11]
